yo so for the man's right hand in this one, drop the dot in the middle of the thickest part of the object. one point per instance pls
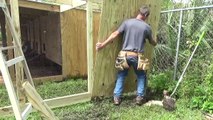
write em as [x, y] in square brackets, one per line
[99, 46]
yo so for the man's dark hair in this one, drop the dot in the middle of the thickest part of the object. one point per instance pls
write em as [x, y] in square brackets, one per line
[144, 10]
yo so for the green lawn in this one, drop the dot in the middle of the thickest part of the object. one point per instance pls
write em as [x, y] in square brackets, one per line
[104, 109]
[51, 89]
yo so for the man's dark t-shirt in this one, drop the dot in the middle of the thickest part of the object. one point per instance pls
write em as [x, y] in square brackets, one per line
[135, 32]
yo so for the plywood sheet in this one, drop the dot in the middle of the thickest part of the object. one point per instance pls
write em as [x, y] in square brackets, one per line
[73, 35]
[113, 13]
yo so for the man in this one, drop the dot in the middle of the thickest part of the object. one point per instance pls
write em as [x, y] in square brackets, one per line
[134, 32]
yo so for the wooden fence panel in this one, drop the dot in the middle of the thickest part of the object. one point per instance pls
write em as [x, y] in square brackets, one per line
[113, 13]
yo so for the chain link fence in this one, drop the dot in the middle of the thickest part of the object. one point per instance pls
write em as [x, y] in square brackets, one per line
[178, 34]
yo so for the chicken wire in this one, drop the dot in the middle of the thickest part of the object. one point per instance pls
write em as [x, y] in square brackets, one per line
[178, 33]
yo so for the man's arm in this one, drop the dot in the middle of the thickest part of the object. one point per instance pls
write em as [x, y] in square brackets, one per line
[150, 37]
[112, 37]
[152, 41]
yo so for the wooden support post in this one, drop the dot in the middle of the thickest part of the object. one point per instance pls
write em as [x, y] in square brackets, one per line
[3, 30]
[89, 45]
[37, 102]
[10, 52]
[18, 67]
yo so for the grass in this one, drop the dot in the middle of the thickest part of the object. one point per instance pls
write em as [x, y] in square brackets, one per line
[51, 89]
[104, 109]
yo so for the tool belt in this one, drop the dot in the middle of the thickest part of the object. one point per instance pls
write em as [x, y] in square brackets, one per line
[121, 62]
[143, 62]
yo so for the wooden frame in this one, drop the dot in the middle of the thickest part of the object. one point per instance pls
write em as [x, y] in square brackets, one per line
[39, 6]
[70, 99]
[46, 6]
[82, 97]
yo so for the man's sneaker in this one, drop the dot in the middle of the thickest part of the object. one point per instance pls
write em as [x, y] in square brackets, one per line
[117, 100]
[139, 100]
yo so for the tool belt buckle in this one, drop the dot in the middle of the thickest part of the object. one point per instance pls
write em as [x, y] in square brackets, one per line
[121, 62]
[143, 62]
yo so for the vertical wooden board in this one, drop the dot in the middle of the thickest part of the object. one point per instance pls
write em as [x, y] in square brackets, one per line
[43, 31]
[24, 33]
[113, 13]
[37, 35]
[10, 52]
[31, 32]
[3, 30]
[53, 38]
[73, 36]
[19, 74]
[96, 23]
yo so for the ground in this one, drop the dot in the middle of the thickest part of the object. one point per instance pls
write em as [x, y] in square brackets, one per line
[103, 109]
[40, 66]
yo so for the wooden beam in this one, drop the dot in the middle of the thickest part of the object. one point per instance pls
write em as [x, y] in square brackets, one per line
[55, 102]
[41, 80]
[3, 29]
[68, 100]
[10, 52]
[37, 102]
[39, 6]
[18, 67]
[69, 2]
[30, 14]
[90, 45]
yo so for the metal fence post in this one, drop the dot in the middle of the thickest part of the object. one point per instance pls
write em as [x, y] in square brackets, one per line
[178, 43]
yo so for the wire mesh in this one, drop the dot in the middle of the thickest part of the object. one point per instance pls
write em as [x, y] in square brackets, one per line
[187, 30]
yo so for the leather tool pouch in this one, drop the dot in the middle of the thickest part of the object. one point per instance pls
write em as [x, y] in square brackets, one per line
[143, 62]
[121, 62]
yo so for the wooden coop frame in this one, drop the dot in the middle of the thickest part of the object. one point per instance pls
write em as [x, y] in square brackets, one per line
[94, 85]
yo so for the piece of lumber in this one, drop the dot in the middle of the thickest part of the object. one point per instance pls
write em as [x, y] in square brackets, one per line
[113, 13]
[68, 100]
[39, 6]
[89, 45]
[55, 102]
[37, 102]
[18, 67]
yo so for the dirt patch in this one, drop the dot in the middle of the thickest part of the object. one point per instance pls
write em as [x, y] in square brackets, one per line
[40, 66]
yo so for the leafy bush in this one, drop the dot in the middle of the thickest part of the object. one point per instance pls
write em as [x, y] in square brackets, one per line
[203, 98]
[161, 81]
[197, 84]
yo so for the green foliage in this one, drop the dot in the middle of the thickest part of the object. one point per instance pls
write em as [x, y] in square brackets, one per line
[203, 96]
[3, 96]
[161, 81]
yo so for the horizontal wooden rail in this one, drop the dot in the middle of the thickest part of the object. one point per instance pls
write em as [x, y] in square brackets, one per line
[14, 61]
[54, 102]
[7, 48]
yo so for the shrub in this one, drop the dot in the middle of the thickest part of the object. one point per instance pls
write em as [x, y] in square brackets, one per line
[161, 81]
[203, 98]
